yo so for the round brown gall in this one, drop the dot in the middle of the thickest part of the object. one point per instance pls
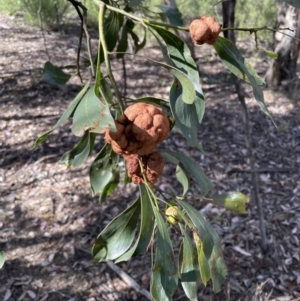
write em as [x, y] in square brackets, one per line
[205, 30]
[139, 130]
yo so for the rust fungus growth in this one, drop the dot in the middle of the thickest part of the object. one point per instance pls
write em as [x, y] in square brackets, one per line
[153, 166]
[139, 130]
[205, 30]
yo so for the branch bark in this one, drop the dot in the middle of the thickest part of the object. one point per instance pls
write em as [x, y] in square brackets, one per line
[228, 15]
[254, 179]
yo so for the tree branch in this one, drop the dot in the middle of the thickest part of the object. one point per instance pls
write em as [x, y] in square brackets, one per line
[254, 179]
[83, 17]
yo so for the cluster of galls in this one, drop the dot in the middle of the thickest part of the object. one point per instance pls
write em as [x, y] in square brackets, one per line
[205, 30]
[139, 130]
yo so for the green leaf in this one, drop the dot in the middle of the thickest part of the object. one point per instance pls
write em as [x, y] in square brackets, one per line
[216, 263]
[164, 276]
[178, 52]
[271, 54]
[118, 235]
[2, 258]
[187, 116]
[234, 201]
[188, 92]
[202, 260]
[112, 25]
[178, 55]
[54, 75]
[138, 45]
[188, 266]
[295, 3]
[104, 172]
[123, 43]
[105, 91]
[191, 168]
[182, 179]
[80, 152]
[66, 114]
[173, 14]
[146, 228]
[234, 61]
[155, 101]
[208, 237]
[203, 228]
[92, 114]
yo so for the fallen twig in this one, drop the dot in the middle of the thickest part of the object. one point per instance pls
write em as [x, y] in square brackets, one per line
[263, 170]
[128, 280]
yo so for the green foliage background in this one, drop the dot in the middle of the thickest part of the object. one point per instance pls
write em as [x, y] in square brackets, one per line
[249, 13]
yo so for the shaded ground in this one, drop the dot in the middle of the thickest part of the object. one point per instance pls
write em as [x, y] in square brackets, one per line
[49, 221]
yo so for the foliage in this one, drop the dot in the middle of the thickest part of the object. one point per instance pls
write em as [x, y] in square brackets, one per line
[99, 107]
[10, 7]
[2, 258]
[51, 12]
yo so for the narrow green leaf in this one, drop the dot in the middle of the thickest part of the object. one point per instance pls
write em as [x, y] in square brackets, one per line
[188, 92]
[234, 201]
[271, 54]
[157, 102]
[217, 265]
[138, 45]
[191, 168]
[109, 187]
[187, 116]
[173, 14]
[179, 54]
[2, 258]
[234, 61]
[118, 235]
[112, 25]
[54, 75]
[203, 228]
[92, 114]
[80, 152]
[295, 3]
[104, 172]
[202, 260]
[164, 276]
[146, 228]
[188, 266]
[66, 114]
[105, 91]
[212, 249]
[123, 43]
[182, 179]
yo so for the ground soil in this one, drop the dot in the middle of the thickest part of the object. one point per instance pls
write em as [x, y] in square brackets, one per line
[49, 219]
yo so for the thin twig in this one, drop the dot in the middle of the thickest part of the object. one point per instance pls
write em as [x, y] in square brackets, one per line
[105, 53]
[264, 170]
[124, 76]
[254, 178]
[76, 6]
[83, 18]
[42, 29]
[128, 280]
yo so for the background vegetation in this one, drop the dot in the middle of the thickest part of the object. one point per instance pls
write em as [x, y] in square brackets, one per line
[249, 13]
